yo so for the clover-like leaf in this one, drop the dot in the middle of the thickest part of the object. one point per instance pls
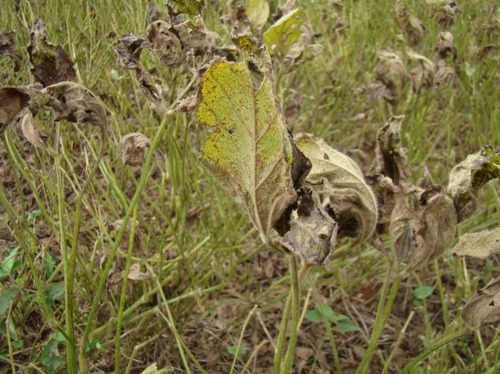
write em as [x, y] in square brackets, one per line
[280, 37]
[250, 149]
[478, 244]
[341, 188]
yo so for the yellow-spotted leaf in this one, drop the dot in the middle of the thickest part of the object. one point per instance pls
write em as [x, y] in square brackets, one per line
[282, 35]
[250, 149]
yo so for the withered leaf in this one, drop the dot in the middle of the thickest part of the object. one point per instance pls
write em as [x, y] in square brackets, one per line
[445, 45]
[423, 75]
[445, 12]
[51, 63]
[313, 232]
[250, 150]
[390, 152]
[392, 73]
[413, 29]
[469, 176]
[8, 48]
[129, 48]
[479, 244]
[402, 227]
[136, 274]
[437, 225]
[12, 101]
[30, 131]
[444, 74]
[484, 307]
[75, 103]
[340, 187]
[133, 148]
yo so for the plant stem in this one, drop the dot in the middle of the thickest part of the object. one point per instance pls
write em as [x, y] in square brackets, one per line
[295, 292]
[123, 295]
[438, 344]
[383, 312]
[135, 200]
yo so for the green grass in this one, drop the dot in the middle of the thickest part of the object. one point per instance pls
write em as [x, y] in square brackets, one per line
[65, 298]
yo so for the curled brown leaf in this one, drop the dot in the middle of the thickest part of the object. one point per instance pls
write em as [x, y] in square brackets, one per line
[484, 307]
[133, 148]
[51, 63]
[12, 101]
[74, 103]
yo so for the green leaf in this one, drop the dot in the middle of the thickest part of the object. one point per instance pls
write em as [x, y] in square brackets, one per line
[237, 351]
[49, 263]
[10, 263]
[151, 369]
[52, 292]
[423, 292]
[51, 357]
[347, 326]
[257, 12]
[6, 298]
[250, 150]
[479, 244]
[280, 37]
[315, 315]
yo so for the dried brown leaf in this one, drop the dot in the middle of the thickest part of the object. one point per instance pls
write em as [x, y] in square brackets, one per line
[413, 29]
[12, 101]
[469, 176]
[484, 307]
[479, 244]
[444, 74]
[390, 153]
[51, 63]
[136, 274]
[75, 103]
[8, 48]
[133, 148]
[392, 73]
[340, 187]
[437, 225]
[423, 75]
[445, 12]
[401, 227]
[129, 49]
[313, 232]
[30, 131]
[445, 46]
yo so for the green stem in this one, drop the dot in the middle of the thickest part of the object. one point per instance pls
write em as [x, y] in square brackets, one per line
[123, 295]
[383, 312]
[68, 305]
[133, 203]
[280, 345]
[438, 344]
[295, 291]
